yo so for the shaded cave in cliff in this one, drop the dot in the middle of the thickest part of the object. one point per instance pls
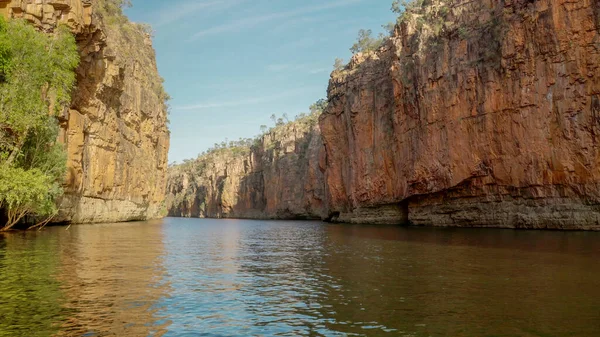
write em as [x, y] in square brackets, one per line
[332, 217]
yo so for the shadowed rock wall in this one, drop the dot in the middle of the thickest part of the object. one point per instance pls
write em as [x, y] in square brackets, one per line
[475, 113]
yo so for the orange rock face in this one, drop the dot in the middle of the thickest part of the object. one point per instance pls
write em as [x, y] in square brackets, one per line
[115, 131]
[46, 14]
[486, 115]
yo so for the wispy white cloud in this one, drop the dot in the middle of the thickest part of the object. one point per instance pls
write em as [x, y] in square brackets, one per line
[177, 12]
[306, 42]
[319, 70]
[294, 23]
[281, 67]
[256, 20]
[308, 68]
[242, 102]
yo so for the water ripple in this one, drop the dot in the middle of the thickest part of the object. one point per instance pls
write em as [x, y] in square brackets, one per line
[192, 277]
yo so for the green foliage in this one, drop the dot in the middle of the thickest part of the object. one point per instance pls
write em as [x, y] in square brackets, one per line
[147, 29]
[42, 152]
[63, 58]
[4, 52]
[243, 146]
[366, 42]
[389, 27]
[318, 107]
[443, 11]
[406, 8]
[112, 10]
[37, 78]
[40, 75]
[24, 192]
[463, 33]
[339, 64]
[433, 17]
[163, 95]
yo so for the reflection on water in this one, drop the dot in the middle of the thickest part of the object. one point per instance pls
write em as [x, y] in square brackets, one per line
[30, 296]
[101, 280]
[196, 277]
[112, 277]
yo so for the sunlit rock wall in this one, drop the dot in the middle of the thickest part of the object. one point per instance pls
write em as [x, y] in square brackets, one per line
[279, 177]
[115, 131]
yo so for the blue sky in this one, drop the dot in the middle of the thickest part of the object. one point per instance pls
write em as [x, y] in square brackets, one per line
[230, 64]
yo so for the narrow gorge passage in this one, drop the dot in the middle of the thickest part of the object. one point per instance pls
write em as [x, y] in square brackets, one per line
[470, 114]
[411, 168]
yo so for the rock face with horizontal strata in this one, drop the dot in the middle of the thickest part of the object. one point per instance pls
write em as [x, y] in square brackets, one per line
[475, 113]
[116, 128]
[47, 14]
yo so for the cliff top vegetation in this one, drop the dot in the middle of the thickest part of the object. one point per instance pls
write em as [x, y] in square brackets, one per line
[128, 34]
[269, 136]
[430, 21]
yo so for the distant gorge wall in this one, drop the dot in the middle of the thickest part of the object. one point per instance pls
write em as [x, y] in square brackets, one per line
[115, 131]
[474, 113]
[277, 178]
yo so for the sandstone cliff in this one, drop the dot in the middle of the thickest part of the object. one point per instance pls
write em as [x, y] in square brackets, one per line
[116, 128]
[474, 113]
[276, 177]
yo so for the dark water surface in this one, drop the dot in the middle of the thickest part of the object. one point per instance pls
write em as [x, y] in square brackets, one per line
[192, 277]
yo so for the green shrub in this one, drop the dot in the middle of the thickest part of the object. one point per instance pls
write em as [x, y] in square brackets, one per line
[37, 76]
[24, 192]
[112, 10]
[365, 42]
[406, 8]
[339, 64]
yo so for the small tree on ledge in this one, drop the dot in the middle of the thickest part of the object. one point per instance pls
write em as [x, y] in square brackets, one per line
[366, 42]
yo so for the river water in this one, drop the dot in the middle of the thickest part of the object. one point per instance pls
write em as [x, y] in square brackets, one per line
[196, 277]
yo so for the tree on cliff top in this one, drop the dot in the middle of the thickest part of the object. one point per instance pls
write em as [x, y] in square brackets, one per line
[402, 7]
[37, 75]
[339, 64]
[282, 125]
[389, 27]
[113, 8]
[318, 106]
[366, 42]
